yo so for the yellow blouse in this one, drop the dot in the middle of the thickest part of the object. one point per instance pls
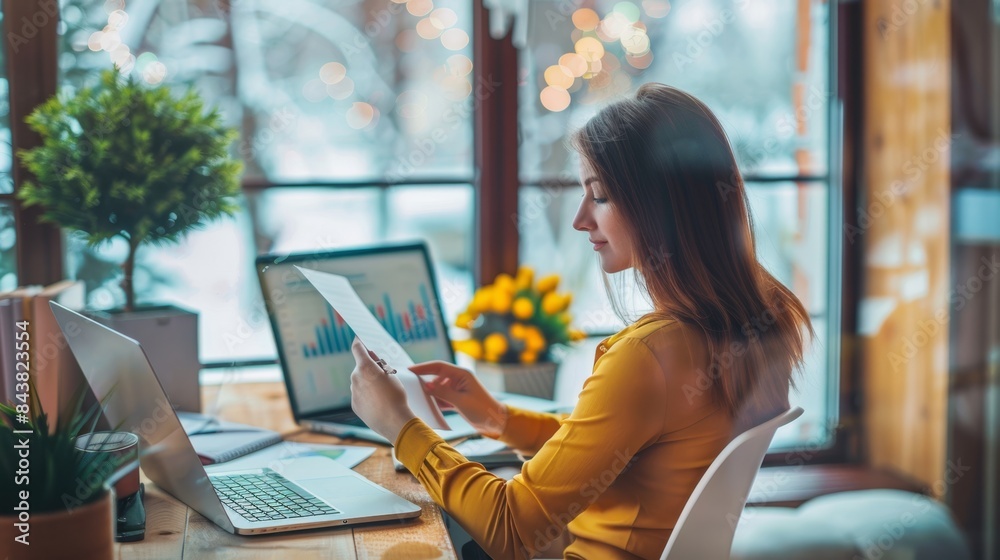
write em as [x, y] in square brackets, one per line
[616, 472]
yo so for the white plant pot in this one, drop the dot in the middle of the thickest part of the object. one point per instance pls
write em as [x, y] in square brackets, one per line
[169, 336]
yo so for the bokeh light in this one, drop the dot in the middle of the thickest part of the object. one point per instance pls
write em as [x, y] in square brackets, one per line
[589, 48]
[361, 115]
[154, 72]
[554, 99]
[443, 18]
[332, 72]
[427, 30]
[635, 41]
[629, 10]
[575, 63]
[641, 62]
[117, 19]
[341, 90]
[454, 39]
[614, 25]
[419, 8]
[459, 65]
[558, 76]
[586, 19]
[656, 8]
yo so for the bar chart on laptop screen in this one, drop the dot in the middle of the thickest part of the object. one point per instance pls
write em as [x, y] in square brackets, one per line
[316, 340]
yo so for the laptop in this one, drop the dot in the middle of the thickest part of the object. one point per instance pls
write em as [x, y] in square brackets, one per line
[314, 342]
[286, 495]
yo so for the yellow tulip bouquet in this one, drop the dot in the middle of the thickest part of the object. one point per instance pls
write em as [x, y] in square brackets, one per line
[514, 321]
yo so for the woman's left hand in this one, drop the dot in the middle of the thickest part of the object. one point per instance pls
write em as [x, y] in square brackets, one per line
[377, 397]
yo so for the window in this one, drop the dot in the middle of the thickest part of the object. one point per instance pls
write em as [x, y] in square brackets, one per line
[348, 113]
[764, 70]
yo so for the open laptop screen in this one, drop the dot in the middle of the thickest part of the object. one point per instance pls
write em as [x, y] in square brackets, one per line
[314, 343]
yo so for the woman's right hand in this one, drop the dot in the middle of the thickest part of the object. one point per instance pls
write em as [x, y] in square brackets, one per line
[459, 387]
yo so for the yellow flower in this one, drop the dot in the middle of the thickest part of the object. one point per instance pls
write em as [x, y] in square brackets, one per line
[472, 347]
[482, 299]
[501, 301]
[464, 320]
[528, 357]
[495, 343]
[575, 335]
[534, 340]
[554, 303]
[517, 330]
[525, 274]
[523, 308]
[548, 283]
[492, 358]
[565, 318]
[503, 283]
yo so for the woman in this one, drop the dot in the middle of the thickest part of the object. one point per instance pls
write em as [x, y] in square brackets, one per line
[661, 194]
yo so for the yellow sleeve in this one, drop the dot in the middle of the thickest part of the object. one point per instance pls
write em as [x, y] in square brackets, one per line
[527, 430]
[620, 412]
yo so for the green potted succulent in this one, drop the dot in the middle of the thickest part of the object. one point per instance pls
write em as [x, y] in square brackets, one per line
[123, 160]
[56, 498]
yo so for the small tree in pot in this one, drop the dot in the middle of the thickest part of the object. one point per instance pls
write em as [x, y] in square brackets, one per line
[125, 160]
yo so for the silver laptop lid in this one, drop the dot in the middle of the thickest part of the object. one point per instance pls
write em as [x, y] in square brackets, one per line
[120, 375]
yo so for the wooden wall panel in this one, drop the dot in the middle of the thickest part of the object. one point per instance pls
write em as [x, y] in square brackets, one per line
[904, 220]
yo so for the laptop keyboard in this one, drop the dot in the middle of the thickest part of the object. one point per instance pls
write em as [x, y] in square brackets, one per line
[266, 497]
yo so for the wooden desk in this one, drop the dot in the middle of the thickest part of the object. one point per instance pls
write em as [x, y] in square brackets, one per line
[175, 531]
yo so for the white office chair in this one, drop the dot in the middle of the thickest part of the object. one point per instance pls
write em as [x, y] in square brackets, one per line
[705, 528]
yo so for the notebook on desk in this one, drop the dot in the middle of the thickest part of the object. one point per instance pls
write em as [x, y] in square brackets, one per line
[218, 441]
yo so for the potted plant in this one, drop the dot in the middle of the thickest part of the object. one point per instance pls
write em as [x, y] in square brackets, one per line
[514, 324]
[122, 160]
[56, 499]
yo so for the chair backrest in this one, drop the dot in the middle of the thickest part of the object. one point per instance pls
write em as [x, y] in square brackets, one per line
[708, 521]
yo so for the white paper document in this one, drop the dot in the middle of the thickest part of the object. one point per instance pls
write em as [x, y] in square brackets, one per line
[339, 293]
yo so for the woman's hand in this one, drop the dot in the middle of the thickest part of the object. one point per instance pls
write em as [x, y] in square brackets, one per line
[377, 397]
[460, 388]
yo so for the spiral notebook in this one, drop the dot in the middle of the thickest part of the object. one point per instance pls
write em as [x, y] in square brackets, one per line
[218, 441]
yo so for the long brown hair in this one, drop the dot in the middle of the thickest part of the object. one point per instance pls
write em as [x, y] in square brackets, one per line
[667, 168]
